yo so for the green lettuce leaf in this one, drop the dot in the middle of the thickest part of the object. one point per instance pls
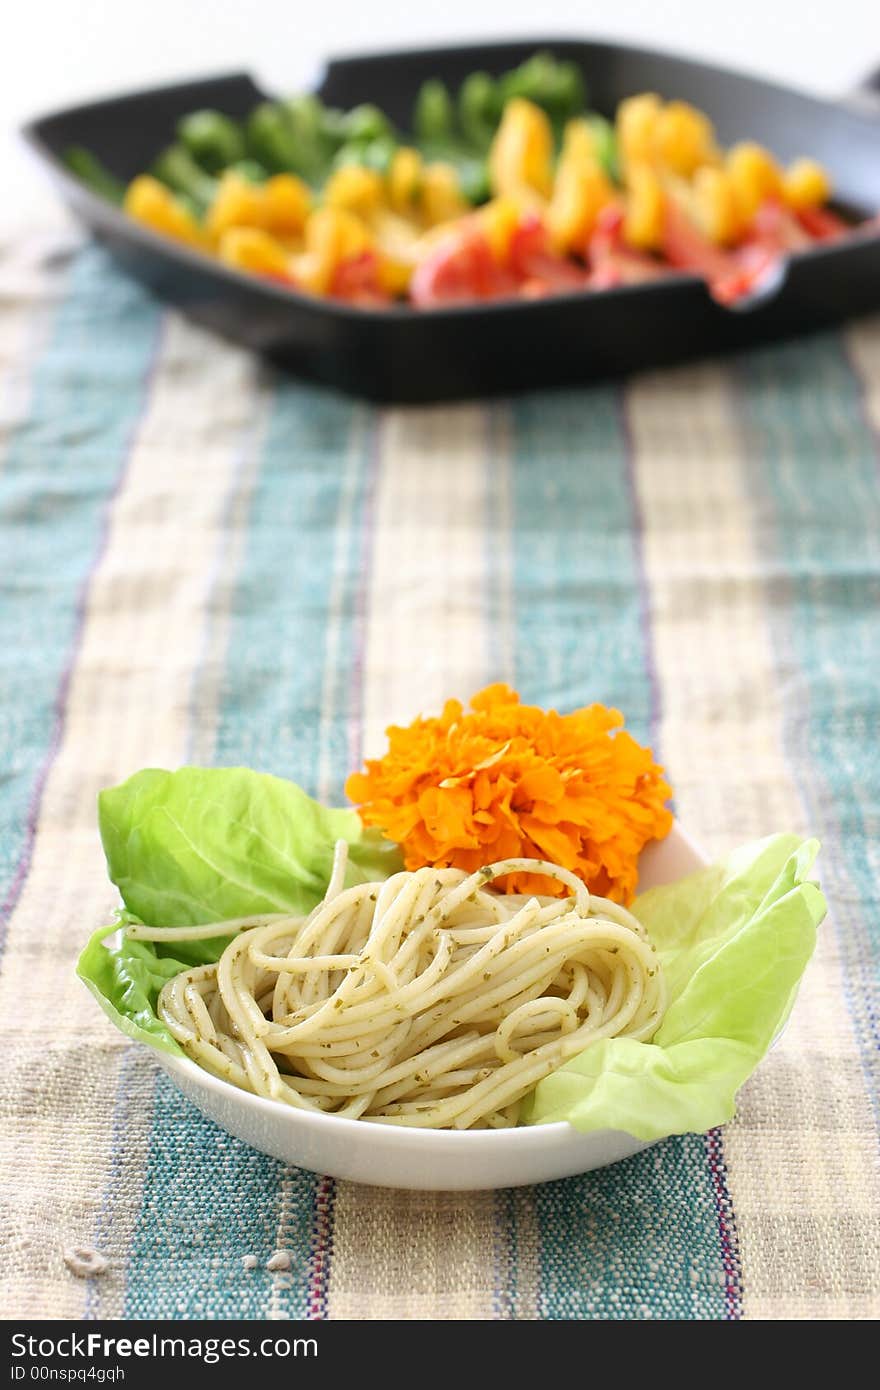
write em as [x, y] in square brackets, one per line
[126, 978]
[202, 844]
[734, 940]
[199, 845]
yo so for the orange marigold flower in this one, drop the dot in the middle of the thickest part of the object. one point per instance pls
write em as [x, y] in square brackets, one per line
[508, 780]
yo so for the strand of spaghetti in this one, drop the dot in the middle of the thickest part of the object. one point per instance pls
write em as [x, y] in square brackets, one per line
[618, 1024]
[511, 1081]
[475, 966]
[137, 932]
[302, 965]
[428, 1000]
[337, 873]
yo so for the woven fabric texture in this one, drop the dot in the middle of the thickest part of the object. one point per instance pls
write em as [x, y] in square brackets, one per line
[203, 561]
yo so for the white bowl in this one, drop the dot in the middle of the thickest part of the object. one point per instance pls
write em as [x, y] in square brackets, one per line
[433, 1159]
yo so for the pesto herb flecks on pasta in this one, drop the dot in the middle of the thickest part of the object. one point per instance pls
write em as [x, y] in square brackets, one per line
[436, 1003]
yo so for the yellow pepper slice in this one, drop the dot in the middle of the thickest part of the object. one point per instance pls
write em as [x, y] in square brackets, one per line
[237, 203]
[636, 129]
[499, 220]
[581, 189]
[287, 202]
[332, 235]
[684, 138]
[716, 205]
[393, 275]
[441, 198]
[404, 179]
[755, 176]
[250, 248]
[643, 212]
[355, 189]
[521, 156]
[152, 203]
[399, 242]
[805, 184]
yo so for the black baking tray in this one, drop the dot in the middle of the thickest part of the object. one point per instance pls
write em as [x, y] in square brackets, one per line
[404, 355]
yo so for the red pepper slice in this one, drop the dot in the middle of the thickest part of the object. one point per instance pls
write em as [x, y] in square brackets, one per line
[357, 281]
[460, 269]
[822, 224]
[537, 266]
[612, 263]
[685, 247]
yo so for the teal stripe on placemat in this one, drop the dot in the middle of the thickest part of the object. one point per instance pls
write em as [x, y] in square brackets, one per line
[578, 618]
[815, 475]
[208, 1199]
[57, 481]
[272, 699]
[640, 1239]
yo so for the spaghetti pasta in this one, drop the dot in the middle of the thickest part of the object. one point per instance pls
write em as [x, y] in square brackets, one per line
[426, 1000]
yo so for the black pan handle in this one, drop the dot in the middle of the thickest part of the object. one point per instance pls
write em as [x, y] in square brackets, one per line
[866, 93]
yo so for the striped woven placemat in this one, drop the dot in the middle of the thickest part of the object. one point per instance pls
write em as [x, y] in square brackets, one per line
[205, 562]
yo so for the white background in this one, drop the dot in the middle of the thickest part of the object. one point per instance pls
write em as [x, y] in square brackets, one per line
[59, 51]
